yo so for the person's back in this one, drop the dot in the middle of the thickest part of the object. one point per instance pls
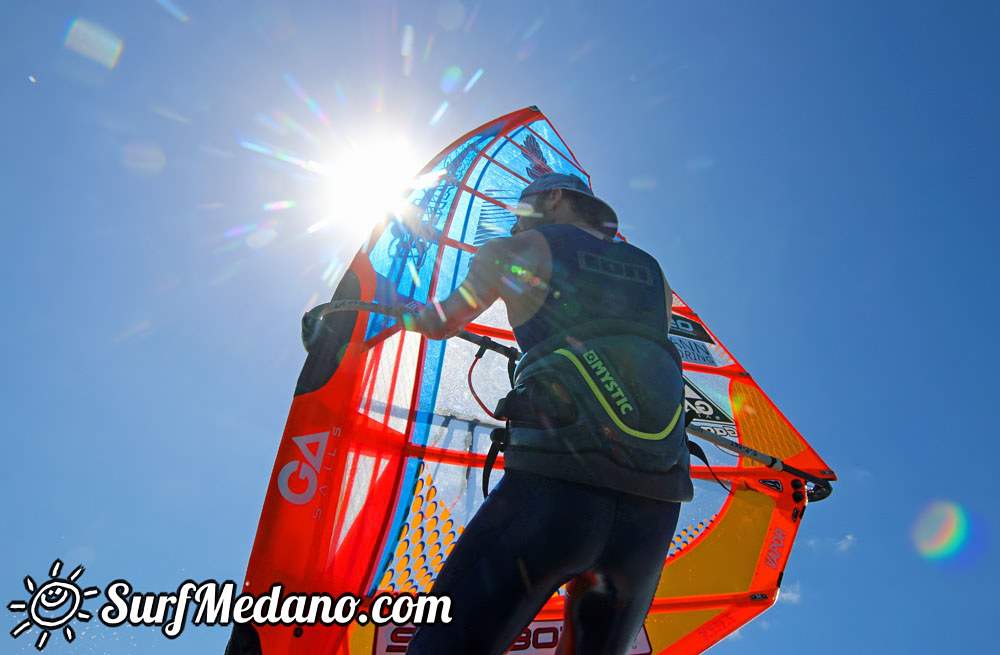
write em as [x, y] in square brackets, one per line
[595, 433]
[594, 279]
[597, 342]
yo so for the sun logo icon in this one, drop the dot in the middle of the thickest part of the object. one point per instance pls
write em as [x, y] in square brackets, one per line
[53, 605]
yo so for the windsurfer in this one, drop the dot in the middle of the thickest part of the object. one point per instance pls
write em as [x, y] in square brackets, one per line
[596, 462]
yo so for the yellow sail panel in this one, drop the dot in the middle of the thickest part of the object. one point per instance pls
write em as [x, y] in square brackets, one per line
[723, 561]
[760, 425]
[705, 588]
[665, 630]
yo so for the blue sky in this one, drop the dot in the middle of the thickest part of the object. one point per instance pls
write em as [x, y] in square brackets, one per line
[817, 179]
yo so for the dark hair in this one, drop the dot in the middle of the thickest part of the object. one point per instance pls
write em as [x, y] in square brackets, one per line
[586, 208]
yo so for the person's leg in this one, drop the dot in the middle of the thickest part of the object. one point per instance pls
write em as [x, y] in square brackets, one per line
[530, 536]
[606, 606]
[243, 640]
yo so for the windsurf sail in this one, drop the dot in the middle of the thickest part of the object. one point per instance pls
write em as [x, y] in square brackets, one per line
[380, 465]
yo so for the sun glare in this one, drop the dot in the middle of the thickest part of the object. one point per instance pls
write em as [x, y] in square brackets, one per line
[366, 181]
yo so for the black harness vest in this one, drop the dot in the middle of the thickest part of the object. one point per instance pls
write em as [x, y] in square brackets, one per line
[601, 404]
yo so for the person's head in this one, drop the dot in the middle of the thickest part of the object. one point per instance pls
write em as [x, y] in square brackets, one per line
[561, 198]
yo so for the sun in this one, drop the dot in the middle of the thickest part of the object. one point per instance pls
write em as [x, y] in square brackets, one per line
[53, 605]
[366, 180]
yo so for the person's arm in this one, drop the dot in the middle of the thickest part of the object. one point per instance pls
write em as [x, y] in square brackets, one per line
[479, 290]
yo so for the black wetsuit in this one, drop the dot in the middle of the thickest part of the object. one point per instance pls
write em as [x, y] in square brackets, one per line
[535, 532]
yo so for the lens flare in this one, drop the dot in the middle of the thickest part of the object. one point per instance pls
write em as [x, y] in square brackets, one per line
[143, 157]
[93, 42]
[277, 205]
[449, 81]
[294, 126]
[427, 50]
[472, 19]
[532, 29]
[642, 183]
[341, 96]
[406, 46]
[406, 49]
[526, 50]
[451, 15]
[309, 101]
[174, 10]
[472, 80]
[439, 114]
[941, 531]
